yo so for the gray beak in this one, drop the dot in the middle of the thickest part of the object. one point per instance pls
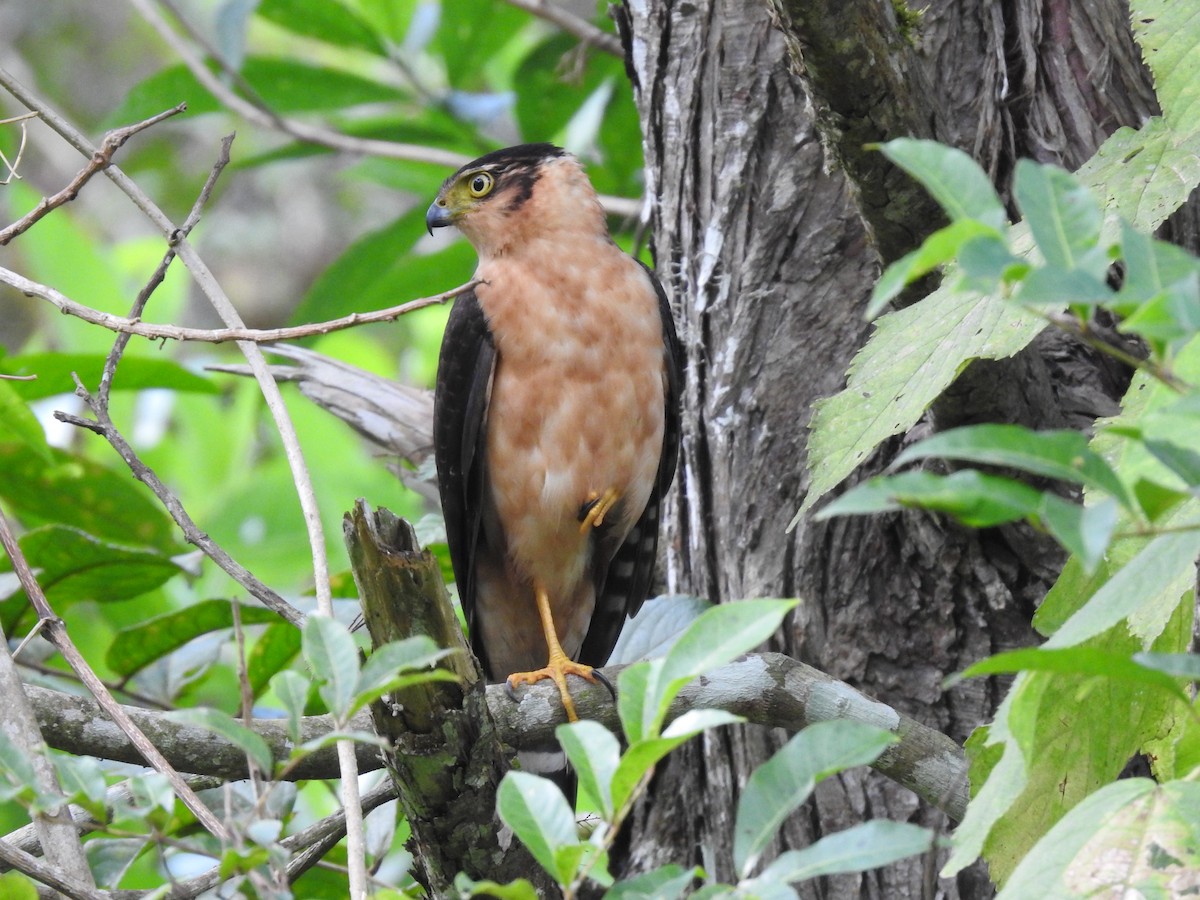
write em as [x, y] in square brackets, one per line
[437, 216]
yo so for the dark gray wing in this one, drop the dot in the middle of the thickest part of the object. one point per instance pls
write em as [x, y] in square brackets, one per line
[622, 586]
[460, 409]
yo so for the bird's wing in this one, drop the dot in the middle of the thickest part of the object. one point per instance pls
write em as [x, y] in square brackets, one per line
[622, 585]
[465, 368]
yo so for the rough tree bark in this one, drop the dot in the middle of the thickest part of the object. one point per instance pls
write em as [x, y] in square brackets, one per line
[753, 135]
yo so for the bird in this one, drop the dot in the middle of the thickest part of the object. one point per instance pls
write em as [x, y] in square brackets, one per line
[556, 419]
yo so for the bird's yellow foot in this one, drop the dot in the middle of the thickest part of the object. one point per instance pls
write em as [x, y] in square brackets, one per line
[595, 508]
[557, 670]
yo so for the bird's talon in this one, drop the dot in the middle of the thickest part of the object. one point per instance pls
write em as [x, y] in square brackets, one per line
[599, 676]
[596, 507]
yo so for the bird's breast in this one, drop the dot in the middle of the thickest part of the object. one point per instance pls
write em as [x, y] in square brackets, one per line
[577, 404]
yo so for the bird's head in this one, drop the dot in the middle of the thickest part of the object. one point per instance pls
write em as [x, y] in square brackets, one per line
[510, 197]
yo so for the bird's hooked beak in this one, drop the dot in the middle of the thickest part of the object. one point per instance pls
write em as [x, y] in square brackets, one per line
[438, 215]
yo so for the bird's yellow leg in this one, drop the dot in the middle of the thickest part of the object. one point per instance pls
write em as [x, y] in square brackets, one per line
[559, 666]
[597, 507]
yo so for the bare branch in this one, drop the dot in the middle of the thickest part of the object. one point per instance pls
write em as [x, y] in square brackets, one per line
[56, 632]
[154, 332]
[571, 24]
[100, 160]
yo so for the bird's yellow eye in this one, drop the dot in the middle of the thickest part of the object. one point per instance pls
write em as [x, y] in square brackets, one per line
[480, 184]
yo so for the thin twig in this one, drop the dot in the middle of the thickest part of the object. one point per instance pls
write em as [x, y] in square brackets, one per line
[1078, 328]
[56, 632]
[13, 174]
[264, 117]
[143, 297]
[572, 24]
[17, 377]
[100, 160]
[154, 332]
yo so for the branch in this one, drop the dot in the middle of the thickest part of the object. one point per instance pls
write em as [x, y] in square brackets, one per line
[47, 874]
[136, 326]
[768, 689]
[100, 160]
[53, 822]
[572, 24]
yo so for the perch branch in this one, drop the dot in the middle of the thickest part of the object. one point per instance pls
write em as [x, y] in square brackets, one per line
[768, 689]
[47, 874]
[100, 160]
[134, 325]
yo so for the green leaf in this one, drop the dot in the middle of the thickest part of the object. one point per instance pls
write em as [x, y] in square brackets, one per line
[594, 752]
[1063, 216]
[866, 846]
[275, 648]
[914, 355]
[778, 787]
[225, 726]
[379, 270]
[953, 179]
[143, 643]
[1085, 531]
[1129, 833]
[81, 494]
[1080, 660]
[1177, 665]
[390, 667]
[332, 23]
[332, 656]
[1157, 576]
[537, 812]
[18, 423]
[72, 565]
[291, 688]
[520, 889]
[1151, 266]
[643, 755]
[53, 371]
[285, 85]
[1054, 454]
[666, 883]
[82, 781]
[717, 637]
[973, 498]
[938, 249]
[1057, 288]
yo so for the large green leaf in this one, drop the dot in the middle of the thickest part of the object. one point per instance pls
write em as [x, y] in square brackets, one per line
[857, 849]
[537, 812]
[82, 494]
[1131, 838]
[72, 565]
[324, 20]
[1056, 739]
[285, 85]
[142, 644]
[224, 725]
[19, 424]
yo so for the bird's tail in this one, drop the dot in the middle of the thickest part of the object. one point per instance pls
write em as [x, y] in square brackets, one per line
[551, 764]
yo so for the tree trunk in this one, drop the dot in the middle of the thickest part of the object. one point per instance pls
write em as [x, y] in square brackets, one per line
[769, 250]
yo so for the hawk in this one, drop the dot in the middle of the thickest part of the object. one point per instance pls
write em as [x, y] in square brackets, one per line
[556, 418]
